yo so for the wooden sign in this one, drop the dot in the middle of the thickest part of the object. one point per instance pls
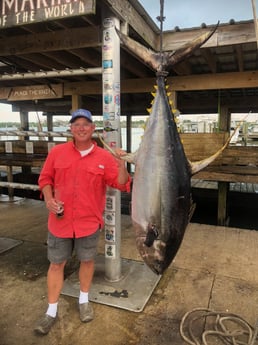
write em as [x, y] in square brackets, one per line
[21, 12]
[24, 93]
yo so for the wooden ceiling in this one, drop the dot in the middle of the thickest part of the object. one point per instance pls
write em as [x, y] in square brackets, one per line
[60, 52]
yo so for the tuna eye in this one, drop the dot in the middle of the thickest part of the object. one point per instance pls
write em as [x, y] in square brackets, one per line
[152, 235]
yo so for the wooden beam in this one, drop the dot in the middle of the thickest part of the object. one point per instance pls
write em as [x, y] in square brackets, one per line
[255, 21]
[45, 42]
[240, 59]
[221, 81]
[183, 68]
[225, 35]
[74, 38]
[210, 59]
[125, 11]
[232, 80]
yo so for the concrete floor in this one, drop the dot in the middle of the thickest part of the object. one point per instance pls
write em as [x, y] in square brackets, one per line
[215, 268]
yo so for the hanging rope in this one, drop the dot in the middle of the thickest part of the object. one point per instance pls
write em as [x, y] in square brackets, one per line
[161, 19]
[230, 329]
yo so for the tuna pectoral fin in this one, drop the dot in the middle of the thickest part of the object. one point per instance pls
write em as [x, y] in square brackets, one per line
[129, 157]
[197, 166]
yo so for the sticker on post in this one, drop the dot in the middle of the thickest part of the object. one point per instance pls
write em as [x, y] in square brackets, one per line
[29, 147]
[50, 145]
[110, 251]
[109, 218]
[110, 203]
[110, 233]
[8, 147]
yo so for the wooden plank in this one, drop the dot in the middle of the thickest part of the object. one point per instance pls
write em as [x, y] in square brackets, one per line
[21, 146]
[198, 146]
[181, 83]
[227, 177]
[255, 21]
[22, 160]
[56, 40]
[215, 81]
[226, 35]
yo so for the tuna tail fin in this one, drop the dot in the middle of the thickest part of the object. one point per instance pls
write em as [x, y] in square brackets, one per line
[140, 51]
[199, 165]
[161, 61]
[187, 49]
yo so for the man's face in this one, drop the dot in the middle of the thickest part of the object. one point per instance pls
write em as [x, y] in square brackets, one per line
[82, 129]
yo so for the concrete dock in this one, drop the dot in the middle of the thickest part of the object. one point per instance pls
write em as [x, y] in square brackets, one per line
[215, 268]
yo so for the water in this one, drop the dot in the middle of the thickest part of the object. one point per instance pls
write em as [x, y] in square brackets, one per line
[137, 133]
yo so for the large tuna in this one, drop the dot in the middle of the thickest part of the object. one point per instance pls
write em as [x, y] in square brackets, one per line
[161, 187]
[161, 195]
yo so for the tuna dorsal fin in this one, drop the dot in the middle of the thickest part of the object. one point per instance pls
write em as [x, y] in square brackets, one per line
[199, 165]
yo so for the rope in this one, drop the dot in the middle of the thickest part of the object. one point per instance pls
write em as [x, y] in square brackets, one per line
[17, 185]
[230, 329]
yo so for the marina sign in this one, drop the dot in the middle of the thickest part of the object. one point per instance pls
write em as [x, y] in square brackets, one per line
[21, 12]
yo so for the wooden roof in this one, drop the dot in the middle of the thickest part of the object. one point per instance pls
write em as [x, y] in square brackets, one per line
[222, 72]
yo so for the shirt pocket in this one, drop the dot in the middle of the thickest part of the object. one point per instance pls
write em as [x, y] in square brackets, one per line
[95, 176]
[63, 174]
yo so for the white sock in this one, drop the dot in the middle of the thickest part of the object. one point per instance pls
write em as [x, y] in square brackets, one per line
[84, 297]
[52, 309]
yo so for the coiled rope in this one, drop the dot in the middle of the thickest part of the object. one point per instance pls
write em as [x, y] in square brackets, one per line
[229, 328]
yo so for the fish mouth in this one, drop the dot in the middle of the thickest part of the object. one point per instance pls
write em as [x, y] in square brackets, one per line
[154, 256]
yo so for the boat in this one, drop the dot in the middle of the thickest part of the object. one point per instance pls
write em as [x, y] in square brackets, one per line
[253, 132]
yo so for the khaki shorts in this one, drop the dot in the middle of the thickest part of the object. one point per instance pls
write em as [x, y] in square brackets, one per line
[61, 249]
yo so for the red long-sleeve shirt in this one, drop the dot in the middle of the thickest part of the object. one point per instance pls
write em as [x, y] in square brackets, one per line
[81, 184]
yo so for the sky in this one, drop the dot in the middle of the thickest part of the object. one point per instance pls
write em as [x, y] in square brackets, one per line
[181, 13]
[192, 13]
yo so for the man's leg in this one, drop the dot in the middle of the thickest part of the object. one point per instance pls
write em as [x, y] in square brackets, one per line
[86, 274]
[59, 250]
[55, 280]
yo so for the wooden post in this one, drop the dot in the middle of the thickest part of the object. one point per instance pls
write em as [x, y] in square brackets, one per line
[77, 102]
[129, 137]
[223, 187]
[49, 125]
[255, 21]
[24, 119]
[9, 170]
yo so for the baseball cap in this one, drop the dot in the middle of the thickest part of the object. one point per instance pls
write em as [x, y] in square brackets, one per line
[81, 113]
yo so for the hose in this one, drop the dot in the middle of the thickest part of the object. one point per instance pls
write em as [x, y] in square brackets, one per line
[230, 329]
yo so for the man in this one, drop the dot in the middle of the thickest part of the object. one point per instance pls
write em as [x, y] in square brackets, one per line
[73, 181]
